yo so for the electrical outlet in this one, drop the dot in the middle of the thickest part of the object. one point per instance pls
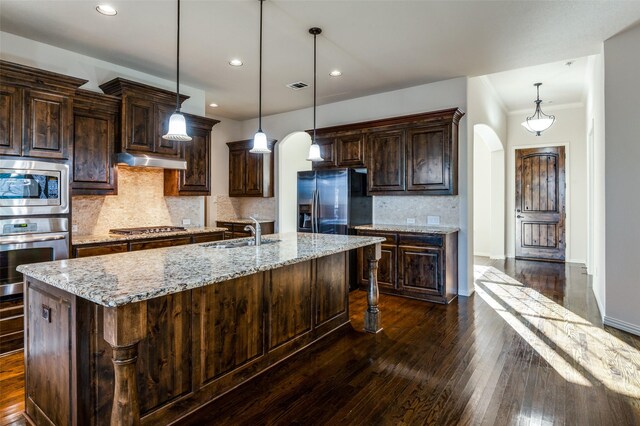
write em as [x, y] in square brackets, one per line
[411, 221]
[74, 227]
[433, 220]
[186, 221]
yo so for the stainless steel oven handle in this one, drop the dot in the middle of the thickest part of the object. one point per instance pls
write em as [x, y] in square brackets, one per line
[25, 239]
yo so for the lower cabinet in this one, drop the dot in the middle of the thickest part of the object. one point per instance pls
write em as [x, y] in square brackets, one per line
[420, 266]
[99, 249]
[236, 229]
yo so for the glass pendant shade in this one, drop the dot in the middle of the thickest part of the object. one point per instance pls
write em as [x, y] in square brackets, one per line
[177, 129]
[539, 121]
[260, 144]
[314, 153]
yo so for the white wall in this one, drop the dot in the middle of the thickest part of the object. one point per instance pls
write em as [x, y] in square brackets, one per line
[428, 97]
[594, 110]
[481, 197]
[622, 187]
[486, 109]
[569, 129]
[291, 156]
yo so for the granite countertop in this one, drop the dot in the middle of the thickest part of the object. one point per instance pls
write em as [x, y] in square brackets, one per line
[245, 221]
[122, 278]
[78, 240]
[414, 229]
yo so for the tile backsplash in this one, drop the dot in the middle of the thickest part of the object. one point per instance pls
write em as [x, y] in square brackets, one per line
[140, 202]
[395, 210]
[241, 207]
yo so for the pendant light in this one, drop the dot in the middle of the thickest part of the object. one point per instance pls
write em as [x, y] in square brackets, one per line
[260, 139]
[539, 121]
[177, 126]
[314, 149]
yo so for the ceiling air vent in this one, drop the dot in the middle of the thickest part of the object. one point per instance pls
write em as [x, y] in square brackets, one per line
[297, 85]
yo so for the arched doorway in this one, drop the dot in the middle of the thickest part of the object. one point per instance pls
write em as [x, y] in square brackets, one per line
[291, 158]
[488, 193]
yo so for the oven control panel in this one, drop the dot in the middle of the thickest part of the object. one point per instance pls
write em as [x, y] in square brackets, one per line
[19, 228]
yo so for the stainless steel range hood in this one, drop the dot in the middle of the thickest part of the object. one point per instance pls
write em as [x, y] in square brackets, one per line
[145, 160]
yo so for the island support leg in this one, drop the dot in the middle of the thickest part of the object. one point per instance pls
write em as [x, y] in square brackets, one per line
[124, 327]
[372, 314]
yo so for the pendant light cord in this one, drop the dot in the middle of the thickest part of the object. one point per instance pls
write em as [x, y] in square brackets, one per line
[314, 86]
[260, 78]
[178, 64]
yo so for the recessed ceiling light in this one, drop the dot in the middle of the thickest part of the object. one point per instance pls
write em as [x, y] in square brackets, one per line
[213, 105]
[335, 73]
[105, 9]
[235, 63]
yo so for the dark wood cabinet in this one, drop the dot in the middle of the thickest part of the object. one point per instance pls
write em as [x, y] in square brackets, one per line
[36, 112]
[250, 175]
[386, 161]
[144, 117]
[196, 180]
[419, 266]
[236, 229]
[409, 155]
[95, 130]
[159, 243]
[99, 250]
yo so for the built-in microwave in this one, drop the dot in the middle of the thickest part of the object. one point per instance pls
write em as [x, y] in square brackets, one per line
[33, 188]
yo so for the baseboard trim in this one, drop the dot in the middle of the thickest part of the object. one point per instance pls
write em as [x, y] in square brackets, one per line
[482, 254]
[622, 325]
[497, 257]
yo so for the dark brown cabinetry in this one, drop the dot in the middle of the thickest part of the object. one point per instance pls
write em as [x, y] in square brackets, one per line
[196, 180]
[95, 130]
[409, 155]
[144, 117]
[420, 266]
[36, 111]
[236, 229]
[98, 249]
[250, 175]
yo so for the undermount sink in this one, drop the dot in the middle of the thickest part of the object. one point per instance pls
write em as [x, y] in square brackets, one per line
[237, 243]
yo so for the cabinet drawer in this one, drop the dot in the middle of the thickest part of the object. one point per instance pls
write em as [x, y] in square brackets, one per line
[170, 242]
[421, 240]
[208, 237]
[85, 251]
[389, 238]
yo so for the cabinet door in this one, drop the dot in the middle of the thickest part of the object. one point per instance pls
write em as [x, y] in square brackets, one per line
[47, 124]
[237, 164]
[254, 174]
[205, 238]
[386, 267]
[162, 146]
[350, 150]
[93, 148]
[386, 158]
[196, 179]
[139, 132]
[327, 152]
[85, 251]
[10, 120]
[159, 243]
[429, 159]
[420, 270]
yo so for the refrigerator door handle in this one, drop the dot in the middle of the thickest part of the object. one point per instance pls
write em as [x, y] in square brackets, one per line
[313, 212]
[316, 211]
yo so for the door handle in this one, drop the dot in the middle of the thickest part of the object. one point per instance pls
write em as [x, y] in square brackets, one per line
[24, 239]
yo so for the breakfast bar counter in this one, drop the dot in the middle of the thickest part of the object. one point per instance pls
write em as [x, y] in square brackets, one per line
[147, 337]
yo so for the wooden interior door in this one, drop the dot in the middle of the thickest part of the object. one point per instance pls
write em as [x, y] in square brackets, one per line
[540, 204]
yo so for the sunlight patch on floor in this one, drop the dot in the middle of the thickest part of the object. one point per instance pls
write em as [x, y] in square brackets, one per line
[579, 343]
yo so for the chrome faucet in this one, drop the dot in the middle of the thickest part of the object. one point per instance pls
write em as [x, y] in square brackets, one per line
[256, 232]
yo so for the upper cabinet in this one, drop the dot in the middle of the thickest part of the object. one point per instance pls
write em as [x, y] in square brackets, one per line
[95, 131]
[145, 112]
[412, 155]
[196, 180]
[36, 111]
[250, 175]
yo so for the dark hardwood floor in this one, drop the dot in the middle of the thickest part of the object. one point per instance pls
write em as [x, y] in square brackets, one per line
[528, 348]
[11, 388]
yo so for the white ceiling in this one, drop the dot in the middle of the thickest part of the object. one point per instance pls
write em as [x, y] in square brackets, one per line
[379, 45]
[561, 84]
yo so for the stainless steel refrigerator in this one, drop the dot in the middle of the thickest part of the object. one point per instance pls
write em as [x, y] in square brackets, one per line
[332, 201]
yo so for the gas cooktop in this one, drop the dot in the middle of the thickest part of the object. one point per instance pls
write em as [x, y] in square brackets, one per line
[147, 230]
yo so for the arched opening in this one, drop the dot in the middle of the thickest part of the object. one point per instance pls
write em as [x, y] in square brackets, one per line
[291, 158]
[488, 193]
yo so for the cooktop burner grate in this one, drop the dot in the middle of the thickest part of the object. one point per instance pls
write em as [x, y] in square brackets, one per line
[147, 230]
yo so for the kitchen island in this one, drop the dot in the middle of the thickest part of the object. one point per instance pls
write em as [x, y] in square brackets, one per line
[147, 337]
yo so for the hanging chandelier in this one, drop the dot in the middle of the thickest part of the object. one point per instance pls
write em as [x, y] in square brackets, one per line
[314, 149]
[539, 121]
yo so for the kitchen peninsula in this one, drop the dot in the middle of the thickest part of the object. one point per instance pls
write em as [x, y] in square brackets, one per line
[147, 337]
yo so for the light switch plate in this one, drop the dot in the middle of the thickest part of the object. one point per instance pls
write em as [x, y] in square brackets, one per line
[433, 220]
[74, 227]
[186, 221]
[411, 221]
